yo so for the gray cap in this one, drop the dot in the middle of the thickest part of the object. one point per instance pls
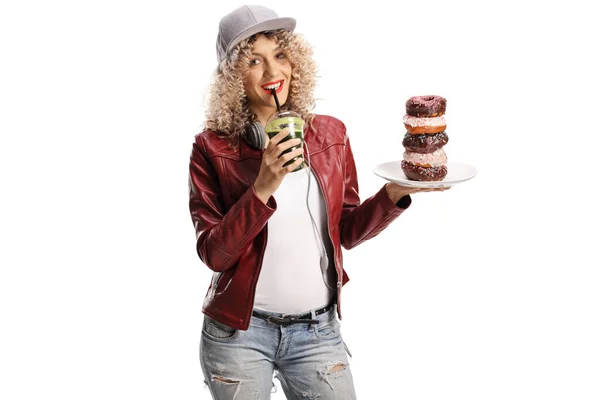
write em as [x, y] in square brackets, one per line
[246, 21]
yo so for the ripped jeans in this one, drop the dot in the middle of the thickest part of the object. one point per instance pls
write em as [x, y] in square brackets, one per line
[309, 360]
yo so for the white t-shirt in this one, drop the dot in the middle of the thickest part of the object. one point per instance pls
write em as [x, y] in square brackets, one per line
[291, 279]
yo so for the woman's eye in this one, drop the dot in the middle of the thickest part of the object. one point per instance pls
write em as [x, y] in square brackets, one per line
[280, 56]
[254, 61]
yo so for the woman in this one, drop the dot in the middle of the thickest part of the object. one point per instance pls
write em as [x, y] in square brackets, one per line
[273, 237]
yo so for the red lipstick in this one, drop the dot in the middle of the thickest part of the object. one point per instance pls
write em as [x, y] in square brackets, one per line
[278, 90]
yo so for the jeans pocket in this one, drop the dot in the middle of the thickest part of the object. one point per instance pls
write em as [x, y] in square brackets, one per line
[328, 330]
[218, 331]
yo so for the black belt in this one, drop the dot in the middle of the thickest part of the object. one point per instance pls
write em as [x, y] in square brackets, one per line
[297, 319]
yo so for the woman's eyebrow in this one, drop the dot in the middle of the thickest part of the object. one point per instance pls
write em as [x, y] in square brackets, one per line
[276, 49]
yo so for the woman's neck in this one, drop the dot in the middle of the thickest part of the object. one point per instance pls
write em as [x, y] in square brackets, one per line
[263, 114]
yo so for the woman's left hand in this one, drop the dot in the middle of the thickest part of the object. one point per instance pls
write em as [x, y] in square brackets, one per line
[396, 192]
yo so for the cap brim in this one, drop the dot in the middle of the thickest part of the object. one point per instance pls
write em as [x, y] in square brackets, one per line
[288, 24]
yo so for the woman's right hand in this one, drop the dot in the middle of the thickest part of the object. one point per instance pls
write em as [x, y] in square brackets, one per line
[272, 171]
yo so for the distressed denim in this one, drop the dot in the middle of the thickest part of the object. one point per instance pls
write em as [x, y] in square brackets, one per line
[309, 360]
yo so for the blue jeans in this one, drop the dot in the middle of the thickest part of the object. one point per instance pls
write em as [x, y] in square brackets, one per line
[310, 359]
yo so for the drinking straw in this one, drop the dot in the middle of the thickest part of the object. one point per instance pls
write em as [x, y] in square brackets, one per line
[276, 100]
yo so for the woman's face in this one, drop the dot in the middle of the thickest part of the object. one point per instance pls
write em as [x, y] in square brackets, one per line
[268, 68]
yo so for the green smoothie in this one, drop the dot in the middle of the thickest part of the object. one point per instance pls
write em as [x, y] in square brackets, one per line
[295, 124]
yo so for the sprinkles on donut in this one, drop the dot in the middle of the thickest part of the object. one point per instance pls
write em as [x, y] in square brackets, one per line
[426, 106]
[424, 158]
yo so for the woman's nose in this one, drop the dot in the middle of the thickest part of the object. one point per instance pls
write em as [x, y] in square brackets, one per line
[270, 69]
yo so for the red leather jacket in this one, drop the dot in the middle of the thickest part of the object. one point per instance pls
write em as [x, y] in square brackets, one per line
[231, 221]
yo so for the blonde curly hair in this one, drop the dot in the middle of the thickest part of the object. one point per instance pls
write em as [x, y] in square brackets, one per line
[227, 112]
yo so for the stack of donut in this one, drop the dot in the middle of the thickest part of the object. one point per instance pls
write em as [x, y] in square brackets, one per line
[424, 157]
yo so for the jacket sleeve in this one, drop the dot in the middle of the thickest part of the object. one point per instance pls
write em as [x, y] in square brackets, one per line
[222, 235]
[361, 222]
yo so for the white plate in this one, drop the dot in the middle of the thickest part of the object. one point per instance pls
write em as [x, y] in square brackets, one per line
[457, 173]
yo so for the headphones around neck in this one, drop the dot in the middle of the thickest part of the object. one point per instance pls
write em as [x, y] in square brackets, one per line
[255, 135]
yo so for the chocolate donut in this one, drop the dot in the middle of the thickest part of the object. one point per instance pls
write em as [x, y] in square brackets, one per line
[418, 173]
[426, 106]
[425, 143]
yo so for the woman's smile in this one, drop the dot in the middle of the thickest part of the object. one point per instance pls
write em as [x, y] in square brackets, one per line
[277, 85]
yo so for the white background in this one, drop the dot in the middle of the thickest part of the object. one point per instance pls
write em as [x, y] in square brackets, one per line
[486, 291]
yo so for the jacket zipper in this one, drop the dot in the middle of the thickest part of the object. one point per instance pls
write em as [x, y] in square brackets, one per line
[339, 278]
[260, 262]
